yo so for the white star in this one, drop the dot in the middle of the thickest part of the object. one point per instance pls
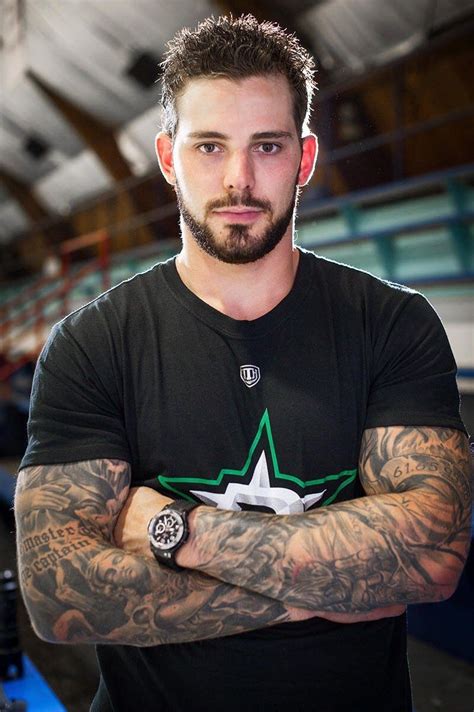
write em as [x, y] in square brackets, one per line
[258, 492]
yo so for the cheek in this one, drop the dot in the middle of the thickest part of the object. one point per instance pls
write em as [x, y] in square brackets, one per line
[188, 165]
[278, 188]
[193, 179]
[278, 176]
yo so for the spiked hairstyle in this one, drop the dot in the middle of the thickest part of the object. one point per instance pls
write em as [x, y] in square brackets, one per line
[236, 48]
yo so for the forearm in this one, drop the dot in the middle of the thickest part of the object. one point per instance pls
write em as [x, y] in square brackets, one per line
[156, 607]
[79, 587]
[352, 557]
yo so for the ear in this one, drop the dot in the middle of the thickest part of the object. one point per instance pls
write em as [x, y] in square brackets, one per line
[164, 153]
[308, 159]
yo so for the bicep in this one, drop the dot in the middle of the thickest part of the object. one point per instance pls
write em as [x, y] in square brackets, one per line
[430, 467]
[65, 516]
[401, 458]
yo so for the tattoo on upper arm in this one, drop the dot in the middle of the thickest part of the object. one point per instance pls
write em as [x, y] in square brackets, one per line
[91, 492]
[435, 461]
[425, 530]
[396, 459]
[65, 516]
[404, 543]
[79, 587]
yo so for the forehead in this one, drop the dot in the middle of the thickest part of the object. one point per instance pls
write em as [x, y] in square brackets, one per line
[247, 105]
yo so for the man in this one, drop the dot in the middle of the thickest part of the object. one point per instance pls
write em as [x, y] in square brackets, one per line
[294, 421]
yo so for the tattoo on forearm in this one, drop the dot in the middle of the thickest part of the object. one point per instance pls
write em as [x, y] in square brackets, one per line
[404, 543]
[79, 588]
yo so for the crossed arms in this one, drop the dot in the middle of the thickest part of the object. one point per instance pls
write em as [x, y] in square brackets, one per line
[405, 542]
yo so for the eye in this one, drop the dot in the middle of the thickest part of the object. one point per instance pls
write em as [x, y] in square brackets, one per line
[269, 148]
[209, 148]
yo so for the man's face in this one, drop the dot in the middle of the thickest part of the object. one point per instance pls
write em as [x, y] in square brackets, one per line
[236, 160]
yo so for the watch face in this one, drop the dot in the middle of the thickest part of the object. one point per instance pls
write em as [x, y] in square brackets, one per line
[166, 529]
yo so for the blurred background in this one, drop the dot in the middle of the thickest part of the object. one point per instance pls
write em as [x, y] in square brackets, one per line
[83, 207]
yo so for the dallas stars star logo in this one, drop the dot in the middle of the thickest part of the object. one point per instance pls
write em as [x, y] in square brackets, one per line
[260, 485]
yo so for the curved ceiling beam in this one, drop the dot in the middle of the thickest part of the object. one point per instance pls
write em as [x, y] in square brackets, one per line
[22, 193]
[98, 136]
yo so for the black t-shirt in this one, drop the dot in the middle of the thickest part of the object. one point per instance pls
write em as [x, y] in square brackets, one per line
[265, 414]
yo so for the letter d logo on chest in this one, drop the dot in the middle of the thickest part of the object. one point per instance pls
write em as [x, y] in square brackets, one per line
[250, 375]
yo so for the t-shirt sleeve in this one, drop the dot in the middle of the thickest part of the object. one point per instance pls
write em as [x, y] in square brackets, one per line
[75, 409]
[413, 370]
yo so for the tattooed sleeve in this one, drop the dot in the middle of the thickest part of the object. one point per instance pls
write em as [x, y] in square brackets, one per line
[78, 587]
[405, 542]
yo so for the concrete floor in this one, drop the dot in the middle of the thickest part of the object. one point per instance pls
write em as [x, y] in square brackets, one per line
[441, 682]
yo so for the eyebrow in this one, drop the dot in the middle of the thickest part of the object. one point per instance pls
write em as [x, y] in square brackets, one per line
[261, 135]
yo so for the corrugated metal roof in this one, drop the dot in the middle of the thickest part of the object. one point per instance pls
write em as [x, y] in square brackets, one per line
[353, 35]
[83, 48]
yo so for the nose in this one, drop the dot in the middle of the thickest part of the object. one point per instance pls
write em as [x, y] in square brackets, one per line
[239, 171]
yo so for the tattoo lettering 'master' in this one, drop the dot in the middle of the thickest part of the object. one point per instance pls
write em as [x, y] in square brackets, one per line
[78, 587]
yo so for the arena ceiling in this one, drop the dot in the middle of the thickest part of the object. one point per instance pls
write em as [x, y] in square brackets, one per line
[78, 72]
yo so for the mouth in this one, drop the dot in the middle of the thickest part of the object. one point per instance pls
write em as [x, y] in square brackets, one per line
[242, 214]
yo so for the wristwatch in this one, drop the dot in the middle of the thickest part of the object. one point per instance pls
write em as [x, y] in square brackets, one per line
[168, 530]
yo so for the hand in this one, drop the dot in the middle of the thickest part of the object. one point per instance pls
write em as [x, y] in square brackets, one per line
[301, 614]
[130, 531]
[50, 496]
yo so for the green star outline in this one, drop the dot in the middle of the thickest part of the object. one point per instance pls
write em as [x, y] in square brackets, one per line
[264, 424]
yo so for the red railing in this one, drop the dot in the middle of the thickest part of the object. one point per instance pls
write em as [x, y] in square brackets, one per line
[22, 298]
[68, 247]
[25, 314]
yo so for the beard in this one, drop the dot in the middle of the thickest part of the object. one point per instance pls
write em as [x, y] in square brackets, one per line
[239, 244]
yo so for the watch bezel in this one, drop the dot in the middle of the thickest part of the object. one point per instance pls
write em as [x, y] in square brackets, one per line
[167, 556]
[163, 515]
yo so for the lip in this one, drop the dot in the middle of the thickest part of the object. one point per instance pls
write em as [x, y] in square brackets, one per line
[239, 215]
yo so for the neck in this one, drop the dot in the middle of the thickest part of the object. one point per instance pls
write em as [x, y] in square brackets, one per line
[245, 291]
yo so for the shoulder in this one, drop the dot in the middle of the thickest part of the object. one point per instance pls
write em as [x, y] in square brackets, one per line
[125, 295]
[356, 290]
[117, 308]
[350, 277]
[103, 326]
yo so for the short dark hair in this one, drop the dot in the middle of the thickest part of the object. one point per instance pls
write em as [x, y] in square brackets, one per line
[236, 48]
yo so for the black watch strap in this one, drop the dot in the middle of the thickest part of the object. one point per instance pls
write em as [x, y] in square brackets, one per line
[181, 505]
[168, 557]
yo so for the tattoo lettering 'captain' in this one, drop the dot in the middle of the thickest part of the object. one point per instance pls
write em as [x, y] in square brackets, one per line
[79, 588]
[406, 542]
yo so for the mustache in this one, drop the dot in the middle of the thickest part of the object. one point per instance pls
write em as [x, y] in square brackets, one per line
[232, 201]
